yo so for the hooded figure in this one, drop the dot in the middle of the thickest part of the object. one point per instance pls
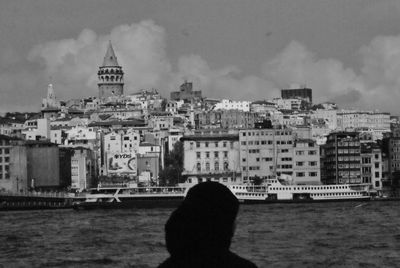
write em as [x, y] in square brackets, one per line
[199, 232]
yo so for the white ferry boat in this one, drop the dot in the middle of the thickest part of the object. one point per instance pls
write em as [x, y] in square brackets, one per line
[131, 197]
[278, 190]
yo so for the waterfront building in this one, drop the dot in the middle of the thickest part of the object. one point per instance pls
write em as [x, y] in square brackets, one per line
[211, 156]
[5, 148]
[392, 147]
[306, 162]
[186, 93]
[36, 165]
[265, 153]
[341, 158]
[110, 76]
[371, 165]
[233, 105]
[83, 164]
[301, 93]
[119, 152]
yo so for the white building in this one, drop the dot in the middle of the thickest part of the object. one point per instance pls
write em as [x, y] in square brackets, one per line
[348, 119]
[211, 157]
[287, 104]
[306, 162]
[233, 105]
[329, 116]
[37, 129]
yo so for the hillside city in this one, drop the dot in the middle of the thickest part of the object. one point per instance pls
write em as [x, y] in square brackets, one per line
[146, 139]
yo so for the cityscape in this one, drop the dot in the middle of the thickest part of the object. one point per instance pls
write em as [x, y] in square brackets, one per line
[149, 140]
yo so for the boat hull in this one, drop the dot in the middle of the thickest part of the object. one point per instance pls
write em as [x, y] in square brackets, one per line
[131, 203]
[274, 201]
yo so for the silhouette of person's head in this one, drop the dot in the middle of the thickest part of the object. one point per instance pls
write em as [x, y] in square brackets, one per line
[203, 224]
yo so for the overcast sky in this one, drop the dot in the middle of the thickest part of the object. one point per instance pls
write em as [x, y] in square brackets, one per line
[346, 51]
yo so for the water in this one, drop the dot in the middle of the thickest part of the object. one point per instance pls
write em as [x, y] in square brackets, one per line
[348, 234]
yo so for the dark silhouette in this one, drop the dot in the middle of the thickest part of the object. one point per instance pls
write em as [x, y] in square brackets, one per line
[199, 232]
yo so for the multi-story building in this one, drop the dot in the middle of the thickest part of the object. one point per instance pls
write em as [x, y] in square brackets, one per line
[233, 105]
[211, 157]
[36, 129]
[36, 165]
[329, 117]
[119, 152]
[306, 162]
[82, 168]
[5, 147]
[225, 119]
[371, 165]
[265, 153]
[341, 158]
[301, 93]
[288, 104]
[186, 93]
[347, 119]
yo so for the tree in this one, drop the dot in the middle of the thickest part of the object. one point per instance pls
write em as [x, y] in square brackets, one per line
[173, 160]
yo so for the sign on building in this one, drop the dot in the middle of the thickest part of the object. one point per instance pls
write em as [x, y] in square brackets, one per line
[122, 163]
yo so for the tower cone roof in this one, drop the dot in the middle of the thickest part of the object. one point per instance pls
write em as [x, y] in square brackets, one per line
[110, 59]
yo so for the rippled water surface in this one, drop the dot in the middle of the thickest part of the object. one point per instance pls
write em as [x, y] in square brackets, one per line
[348, 234]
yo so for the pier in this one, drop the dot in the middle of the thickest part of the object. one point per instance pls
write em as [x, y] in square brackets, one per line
[36, 200]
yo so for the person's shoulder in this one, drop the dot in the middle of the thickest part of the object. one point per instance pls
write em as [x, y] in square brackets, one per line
[237, 261]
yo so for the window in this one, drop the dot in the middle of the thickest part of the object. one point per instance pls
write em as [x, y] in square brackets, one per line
[206, 143]
[312, 174]
[207, 166]
[224, 144]
[207, 154]
[300, 174]
[312, 163]
[299, 152]
[126, 138]
[243, 143]
[225, 154]
[376, 174]
[112, 138]
[312, 152]
[299, 164]
[216, 144]
[198, 155]
[216, 154]
[197, 144]
[226, 166]
[216, 165]
[376, 165]
[243, 159]
[198, 167]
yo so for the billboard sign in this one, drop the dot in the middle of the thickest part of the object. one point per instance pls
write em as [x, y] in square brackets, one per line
[122, 163]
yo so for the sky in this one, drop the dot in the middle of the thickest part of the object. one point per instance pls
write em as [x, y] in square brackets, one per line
[347, 51]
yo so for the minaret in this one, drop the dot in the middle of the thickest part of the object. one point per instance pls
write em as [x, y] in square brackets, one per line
[110, 75]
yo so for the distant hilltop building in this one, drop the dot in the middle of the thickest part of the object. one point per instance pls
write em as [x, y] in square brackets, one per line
[110, 75]
[186, 93]
[301, 93]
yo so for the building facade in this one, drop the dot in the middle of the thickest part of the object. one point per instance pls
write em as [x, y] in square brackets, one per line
[341, 158]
